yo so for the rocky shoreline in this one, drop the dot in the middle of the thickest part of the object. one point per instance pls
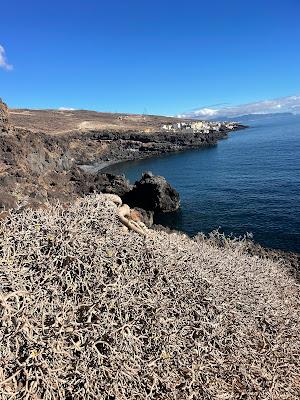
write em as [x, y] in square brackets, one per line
[42, 161]
[129, 146]
[39, 167]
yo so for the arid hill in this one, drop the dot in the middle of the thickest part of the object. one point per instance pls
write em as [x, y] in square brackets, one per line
[64, 121]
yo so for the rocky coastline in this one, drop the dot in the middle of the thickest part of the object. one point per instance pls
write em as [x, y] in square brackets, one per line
[128, 146]
[38, 166]
[42, 161]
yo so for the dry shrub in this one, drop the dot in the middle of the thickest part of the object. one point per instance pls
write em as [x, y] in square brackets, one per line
[89, 311]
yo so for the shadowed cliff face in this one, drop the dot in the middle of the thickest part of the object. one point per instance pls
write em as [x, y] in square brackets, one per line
[4, 124]
[31, 165]
[43, 167]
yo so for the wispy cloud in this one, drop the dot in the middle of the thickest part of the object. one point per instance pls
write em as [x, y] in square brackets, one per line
[66, 109]
[3, 62]
[283, 104]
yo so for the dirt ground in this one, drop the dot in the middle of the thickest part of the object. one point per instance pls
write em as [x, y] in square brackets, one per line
[63, 121]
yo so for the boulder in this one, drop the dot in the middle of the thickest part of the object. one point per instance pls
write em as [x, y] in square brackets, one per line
[85, 183]
[153, 193]
[149, 194]
[109, 183]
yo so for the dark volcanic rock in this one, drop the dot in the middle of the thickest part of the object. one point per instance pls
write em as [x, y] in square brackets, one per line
[148, 195]
[109, 183]
[86, 183]
[153, 193]
[4, 123]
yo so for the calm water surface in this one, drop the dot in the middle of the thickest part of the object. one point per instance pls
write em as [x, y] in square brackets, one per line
[247, 183]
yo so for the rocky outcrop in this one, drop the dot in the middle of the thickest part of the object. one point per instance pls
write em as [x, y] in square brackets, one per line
[93, 148]
[4, 122]
[153, 193]
[148, 195]
[86, 183]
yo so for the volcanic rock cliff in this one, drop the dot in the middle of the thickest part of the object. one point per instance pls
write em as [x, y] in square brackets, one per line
[4, 124]
[50, 154]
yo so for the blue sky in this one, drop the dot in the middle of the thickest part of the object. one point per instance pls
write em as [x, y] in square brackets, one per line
[159, 57]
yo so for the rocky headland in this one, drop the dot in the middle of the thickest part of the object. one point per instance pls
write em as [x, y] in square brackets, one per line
[59, 154]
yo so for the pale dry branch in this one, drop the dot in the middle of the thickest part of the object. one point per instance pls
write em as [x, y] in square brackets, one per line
[89, 312]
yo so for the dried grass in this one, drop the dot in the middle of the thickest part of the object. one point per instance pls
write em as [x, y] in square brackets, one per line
[89, 311]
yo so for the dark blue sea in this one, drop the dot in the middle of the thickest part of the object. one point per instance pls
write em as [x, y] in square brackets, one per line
[249, 182]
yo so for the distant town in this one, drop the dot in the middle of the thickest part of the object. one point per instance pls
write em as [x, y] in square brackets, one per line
[199, 126]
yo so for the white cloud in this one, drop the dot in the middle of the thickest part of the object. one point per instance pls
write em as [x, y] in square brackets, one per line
[207, 111]
[3, 63]
[283, 104]
[66, 109]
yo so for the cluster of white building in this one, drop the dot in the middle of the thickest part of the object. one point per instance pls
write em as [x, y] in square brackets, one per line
[198, 126]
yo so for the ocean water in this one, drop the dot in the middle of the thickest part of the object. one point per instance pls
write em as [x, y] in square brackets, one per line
[249, 182]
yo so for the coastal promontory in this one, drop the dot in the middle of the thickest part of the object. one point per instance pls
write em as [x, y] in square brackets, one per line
[60, 154]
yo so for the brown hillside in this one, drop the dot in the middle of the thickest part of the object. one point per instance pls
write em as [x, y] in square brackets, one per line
[63, 121]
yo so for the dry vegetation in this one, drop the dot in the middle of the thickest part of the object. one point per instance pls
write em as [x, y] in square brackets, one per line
[89, 311]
